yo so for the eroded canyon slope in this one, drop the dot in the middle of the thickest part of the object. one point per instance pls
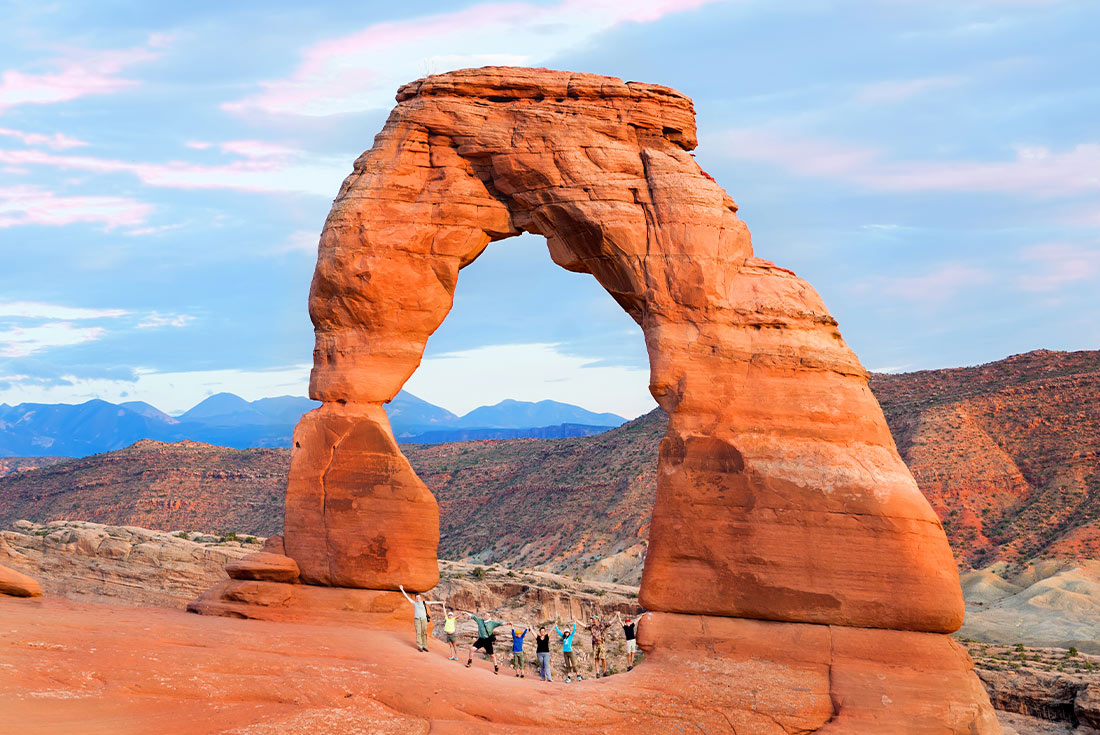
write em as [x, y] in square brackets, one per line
[1008, 454]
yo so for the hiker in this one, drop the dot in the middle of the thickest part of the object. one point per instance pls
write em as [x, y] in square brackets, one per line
[485, 640]
[452, 636]
[517, 651]
[567, 653]
[629, 632]
[421, 617]
[597, 629]
[542, 653]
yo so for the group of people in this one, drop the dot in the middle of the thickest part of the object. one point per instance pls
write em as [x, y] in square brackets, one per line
[486, 639]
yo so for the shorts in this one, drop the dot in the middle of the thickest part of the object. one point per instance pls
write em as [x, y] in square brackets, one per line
[570, 660]
[485, 644]
[597, 650]
[452, 637]
[517, 659]
[631, 646]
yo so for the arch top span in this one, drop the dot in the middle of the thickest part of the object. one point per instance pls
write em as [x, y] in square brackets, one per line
[780, 495]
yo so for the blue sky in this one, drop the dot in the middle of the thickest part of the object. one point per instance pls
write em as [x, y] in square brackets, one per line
[932, 168]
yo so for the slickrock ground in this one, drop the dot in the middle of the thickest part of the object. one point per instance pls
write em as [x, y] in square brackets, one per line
[1021, 682]
[68, 667]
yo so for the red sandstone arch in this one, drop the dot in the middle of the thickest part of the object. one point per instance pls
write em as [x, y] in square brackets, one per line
[786, 526]
[780, 493]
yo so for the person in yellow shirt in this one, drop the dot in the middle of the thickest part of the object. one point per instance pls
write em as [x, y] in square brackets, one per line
[452, 636]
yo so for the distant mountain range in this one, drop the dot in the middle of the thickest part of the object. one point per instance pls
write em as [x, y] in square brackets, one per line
[225, 419]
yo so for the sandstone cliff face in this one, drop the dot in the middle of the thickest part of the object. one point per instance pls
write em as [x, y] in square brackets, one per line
[125, 564]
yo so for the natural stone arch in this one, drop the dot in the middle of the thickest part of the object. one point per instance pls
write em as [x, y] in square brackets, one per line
[792, 564]
[780, 493]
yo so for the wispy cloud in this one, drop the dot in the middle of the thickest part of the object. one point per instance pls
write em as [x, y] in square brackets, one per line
[43, 310]
[264, 168]
[78, 73]
[299, 241]
[1035, 170]
[19, 341]
[1053, 266]
[29, 327]
[362, 70]
[933, 289]
[57, 141]
[157, 320]
[899, 90]
[30, 205]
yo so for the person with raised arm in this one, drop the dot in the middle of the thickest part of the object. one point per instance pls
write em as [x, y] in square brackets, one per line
[597, 629]
[420, 617]
[542, 652]
[449, 623]
[630, 633]
[486, 637]
[517, 651]
[567, 653]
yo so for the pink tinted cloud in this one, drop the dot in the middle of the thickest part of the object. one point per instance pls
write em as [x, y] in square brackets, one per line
[903, 89]
[269, 168]
[1052, 266]
[936, 287]
[77, 74]
[362, 70]
[1033, 170]
[57, 141]
[28, 205]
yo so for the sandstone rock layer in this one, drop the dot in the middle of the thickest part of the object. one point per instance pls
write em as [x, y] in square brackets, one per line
[17, 584]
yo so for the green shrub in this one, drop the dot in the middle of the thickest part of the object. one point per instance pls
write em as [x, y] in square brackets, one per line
[1071, 652]
[478, 573]
[184, 535]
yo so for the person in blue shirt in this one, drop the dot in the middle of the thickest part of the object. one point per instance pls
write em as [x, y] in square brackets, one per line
[517, 651]
[567, 653]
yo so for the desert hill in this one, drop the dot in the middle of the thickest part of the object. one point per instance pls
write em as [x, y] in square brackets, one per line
[1008, 453]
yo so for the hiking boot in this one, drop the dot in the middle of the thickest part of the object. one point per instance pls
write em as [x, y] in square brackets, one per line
[629, 668]
[468, 663]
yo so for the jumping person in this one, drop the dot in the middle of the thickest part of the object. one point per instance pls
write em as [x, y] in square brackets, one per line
[542, 653]
[452, 635]
[485, 640]
[420, 617]
[629, 632]
[597, 629]
[567, 653]
[517, 651]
